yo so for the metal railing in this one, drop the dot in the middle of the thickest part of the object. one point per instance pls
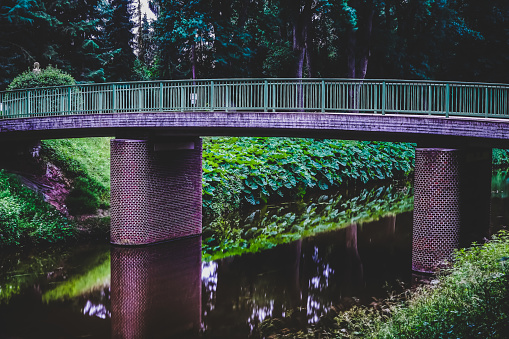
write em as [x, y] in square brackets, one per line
[264, 95]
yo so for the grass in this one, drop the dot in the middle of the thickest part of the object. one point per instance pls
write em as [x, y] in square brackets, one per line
[25, 218]
[469, 300]
[86, 162]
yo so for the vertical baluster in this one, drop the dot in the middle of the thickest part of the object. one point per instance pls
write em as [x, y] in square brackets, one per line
[161, 96]
[273, 85]
[114, 98]
[227, 97]
[212, 102]
[384, 89]
[447, 99]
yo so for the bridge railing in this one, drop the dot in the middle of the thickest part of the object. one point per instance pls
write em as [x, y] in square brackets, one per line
[264, 95]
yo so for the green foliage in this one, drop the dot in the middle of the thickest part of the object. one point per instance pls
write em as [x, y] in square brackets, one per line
[272, 225]
[25, 218]
[255, 170]
[47, 77]
[500, 157]
[86, 162]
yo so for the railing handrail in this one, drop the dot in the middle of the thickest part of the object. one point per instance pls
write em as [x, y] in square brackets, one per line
[388, 81]
[307, 94]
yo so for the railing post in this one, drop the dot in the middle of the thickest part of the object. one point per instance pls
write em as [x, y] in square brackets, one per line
[375, 99]
[182, 97]
[323, 96]
[227, 97]
[161, 101]
[140, 98]
[265, 95]
[28, 103]
[69, 100]
[212, 99]
[114, 98]
[383, 97]
[273, 96]
[100, 102]
[486, 102]
[429, 99]
[447, 93]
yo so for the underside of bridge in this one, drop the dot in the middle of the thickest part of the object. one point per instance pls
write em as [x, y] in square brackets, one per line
[452, 189]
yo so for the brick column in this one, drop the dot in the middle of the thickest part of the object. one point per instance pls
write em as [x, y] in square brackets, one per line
[156, 190]
[451, 202]
[156, 290]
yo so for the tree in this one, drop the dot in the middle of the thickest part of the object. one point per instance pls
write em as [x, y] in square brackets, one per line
[21, 44]
[117, 42]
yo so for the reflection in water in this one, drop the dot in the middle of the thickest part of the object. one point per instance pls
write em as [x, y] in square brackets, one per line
[93, 309]
[302, 280]
[156, 290]
[167, 291]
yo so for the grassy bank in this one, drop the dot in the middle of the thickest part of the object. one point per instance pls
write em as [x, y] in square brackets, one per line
[86, 162]
[237, 172]
[25, 218]
[469, 300]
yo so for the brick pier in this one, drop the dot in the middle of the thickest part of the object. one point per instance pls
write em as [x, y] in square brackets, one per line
[156, 190]
[452, 190]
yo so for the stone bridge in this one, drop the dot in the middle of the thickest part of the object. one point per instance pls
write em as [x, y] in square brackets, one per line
[156, 156]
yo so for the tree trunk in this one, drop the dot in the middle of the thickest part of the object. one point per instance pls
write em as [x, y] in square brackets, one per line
[193, 59]
[364, 40]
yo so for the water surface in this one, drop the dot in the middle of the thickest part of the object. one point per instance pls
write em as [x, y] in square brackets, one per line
[176, 290]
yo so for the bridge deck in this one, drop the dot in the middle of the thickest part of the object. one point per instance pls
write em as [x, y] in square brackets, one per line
[335, 108]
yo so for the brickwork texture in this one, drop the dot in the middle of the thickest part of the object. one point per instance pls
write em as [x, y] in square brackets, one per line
[451, 201]
[155, 195]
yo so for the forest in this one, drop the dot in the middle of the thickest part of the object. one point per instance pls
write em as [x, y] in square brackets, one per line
[115, 40]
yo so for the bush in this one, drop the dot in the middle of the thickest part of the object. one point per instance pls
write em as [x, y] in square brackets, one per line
[47, 77]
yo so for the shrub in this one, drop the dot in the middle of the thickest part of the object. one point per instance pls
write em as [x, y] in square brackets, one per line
[47, 77]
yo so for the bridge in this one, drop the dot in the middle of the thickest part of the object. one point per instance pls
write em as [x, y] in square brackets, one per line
[156, 156]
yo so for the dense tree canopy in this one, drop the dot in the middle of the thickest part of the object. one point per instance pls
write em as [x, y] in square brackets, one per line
[112, 40]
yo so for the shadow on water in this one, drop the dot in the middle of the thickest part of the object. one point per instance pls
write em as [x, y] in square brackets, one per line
[169, 291]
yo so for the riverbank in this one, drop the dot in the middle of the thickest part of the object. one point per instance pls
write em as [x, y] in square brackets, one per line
[237, 172]
[468, 300]
[73, 175]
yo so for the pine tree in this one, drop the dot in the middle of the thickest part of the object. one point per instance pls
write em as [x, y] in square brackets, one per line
[119, 55]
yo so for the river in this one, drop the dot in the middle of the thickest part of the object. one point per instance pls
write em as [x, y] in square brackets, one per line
[315, 257]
